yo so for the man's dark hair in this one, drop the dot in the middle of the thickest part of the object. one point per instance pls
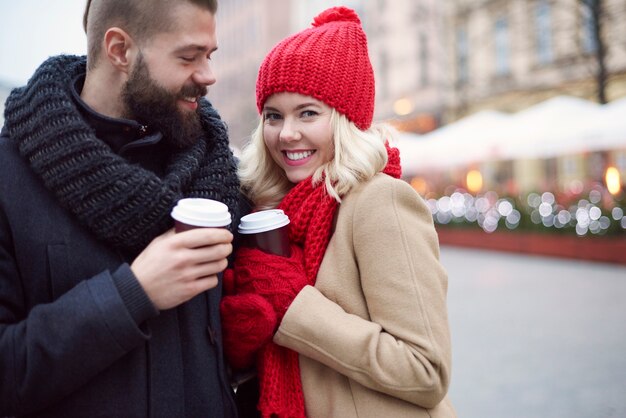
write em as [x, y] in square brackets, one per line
[140, 18]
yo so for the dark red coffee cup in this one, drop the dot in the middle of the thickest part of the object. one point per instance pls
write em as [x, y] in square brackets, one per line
[193, 213]
[266, 230]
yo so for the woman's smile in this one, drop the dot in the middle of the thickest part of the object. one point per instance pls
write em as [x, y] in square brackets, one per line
[297, 157]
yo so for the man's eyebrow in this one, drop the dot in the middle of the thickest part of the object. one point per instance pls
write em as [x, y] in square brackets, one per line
[194, 47]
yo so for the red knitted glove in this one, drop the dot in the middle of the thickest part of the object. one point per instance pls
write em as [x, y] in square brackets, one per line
[248, 322]
[277, 279]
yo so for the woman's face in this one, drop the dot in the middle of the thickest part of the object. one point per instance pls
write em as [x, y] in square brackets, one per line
[297, 133]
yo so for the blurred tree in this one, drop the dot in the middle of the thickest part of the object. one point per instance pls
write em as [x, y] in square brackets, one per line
[596, 13]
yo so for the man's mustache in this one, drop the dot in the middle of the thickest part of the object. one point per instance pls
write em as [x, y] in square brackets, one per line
[193, 90]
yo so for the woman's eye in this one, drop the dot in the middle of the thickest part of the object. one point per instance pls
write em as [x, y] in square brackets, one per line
[272, 116]
[188, 59]
[308, 113]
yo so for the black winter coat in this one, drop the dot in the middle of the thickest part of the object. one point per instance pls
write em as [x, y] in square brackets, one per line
[70, 343]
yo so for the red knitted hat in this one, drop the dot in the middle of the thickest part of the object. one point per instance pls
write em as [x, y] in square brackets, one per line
[328, 61]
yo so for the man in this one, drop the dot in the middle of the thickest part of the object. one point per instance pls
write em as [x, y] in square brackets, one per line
[104, 310]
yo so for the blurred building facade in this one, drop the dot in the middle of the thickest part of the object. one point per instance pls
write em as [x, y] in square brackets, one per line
[408, 47]
[246, 31]
[511, 54]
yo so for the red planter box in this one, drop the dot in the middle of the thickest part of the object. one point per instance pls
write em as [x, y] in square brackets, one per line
[605, 249]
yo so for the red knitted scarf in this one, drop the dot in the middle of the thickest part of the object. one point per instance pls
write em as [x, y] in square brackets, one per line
[311, 212]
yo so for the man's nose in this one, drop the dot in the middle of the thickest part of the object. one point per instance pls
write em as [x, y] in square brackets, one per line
[204, 75]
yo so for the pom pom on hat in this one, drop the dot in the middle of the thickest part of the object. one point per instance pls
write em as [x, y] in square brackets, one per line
[328, 61]
[336, 14]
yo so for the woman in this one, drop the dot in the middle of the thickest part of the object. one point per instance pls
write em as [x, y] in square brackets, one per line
[354, 322]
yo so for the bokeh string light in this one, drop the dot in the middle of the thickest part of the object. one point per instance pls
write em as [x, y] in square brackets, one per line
[594, 213]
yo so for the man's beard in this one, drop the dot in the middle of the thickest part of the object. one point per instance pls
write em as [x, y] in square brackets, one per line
[150, 104]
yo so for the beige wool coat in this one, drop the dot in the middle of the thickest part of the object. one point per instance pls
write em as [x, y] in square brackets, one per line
[373, 333]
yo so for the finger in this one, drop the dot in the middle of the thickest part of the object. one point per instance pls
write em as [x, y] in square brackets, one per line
[208, 254]
[203, 284]
[202, 237]
[208, 269]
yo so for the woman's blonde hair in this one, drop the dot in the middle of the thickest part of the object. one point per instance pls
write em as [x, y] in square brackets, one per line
[358, 156]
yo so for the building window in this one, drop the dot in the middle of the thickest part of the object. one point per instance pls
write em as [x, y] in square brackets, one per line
[502, 47]
[543, 26]
[462, 54]
[423, 58]
[589, 26]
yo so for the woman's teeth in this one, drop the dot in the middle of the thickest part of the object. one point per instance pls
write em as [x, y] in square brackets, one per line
[294, 156]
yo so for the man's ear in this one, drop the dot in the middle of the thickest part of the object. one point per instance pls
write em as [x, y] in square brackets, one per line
[119, 48]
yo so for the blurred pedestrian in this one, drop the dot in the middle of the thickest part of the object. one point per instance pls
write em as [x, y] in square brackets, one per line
[104, 310]
[354, 322]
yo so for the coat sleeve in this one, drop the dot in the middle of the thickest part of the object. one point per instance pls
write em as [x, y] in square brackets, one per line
[403, 348]
[51, 350]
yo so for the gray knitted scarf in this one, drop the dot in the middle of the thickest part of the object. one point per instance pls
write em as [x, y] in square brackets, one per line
[122, 204]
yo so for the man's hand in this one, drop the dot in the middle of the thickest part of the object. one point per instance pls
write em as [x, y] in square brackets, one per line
[174, 268]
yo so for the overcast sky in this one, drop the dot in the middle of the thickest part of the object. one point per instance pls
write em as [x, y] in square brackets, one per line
[33, 30]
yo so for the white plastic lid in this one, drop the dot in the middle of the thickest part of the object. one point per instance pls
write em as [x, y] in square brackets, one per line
[263, 221]
[201, 212]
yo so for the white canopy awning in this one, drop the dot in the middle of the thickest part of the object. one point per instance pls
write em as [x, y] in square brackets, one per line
[471, 139]
[559, 126]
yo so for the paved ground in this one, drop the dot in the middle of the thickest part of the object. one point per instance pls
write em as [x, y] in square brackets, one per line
[536, 337]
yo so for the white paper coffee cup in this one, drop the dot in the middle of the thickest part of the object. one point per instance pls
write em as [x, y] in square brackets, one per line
[192, 213]
[266, 230]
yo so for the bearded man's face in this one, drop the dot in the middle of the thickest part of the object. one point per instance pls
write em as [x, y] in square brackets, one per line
[174, 113]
